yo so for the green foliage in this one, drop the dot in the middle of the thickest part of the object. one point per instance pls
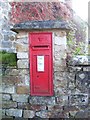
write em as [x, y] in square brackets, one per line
[8, 58]
[75, 47]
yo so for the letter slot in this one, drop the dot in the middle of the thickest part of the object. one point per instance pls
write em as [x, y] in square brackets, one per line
[41, 62]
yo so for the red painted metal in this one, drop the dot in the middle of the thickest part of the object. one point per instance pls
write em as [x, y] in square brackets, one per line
[41, 64]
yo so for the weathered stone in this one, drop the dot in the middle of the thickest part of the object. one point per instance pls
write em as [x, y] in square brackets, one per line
[42, 100]
[20, 98]
[22, 34]
[57, 115]
[7, 117]
[78, 99]
[23, 72]
[55, 108]
[6, 37]
[1, 36]
[20, 118]
[6, 44]
[23, 89]
[81, 114]
[41, 25]
[6, 97]
[43, 114]
[23, 40]
[9, 104]
[23, 64]
[25, 80]
[2, 112]
[60, 90]
[22, 55]
[28, 106]
[29, 114]
[12, 37]
[11, 80]
[63, 100]
[14, 112]
[12, 72]
[8, 89]
[21, 48]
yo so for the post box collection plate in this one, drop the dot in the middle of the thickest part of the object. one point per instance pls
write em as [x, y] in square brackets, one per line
[41, 64]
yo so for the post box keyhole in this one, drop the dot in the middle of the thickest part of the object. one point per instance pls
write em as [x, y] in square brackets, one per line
[37, 76]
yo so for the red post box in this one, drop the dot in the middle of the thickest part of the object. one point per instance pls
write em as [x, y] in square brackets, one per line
[41, 64]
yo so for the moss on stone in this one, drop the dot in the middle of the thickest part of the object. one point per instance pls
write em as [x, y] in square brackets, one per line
[8, 58]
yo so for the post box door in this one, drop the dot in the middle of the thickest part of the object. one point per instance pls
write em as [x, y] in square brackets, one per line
[41, 64]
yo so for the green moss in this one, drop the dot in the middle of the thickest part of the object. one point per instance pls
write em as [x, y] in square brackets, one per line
[8, 58]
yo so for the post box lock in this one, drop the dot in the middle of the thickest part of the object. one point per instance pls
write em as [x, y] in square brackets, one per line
[41, 64]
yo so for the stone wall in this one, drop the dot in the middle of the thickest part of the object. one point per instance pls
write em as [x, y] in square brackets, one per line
[17, 101]
[7, 37]
[71, 86]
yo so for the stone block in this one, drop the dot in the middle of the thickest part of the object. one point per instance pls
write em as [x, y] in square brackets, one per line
[2, 112]
[55, 108]
[7, 89]
[29, 106]
[7, 117]
[81, 115]
[20, 118]
[60, 90]
[23, 64]
[6, 97]
[22, 55]
[42, 100]
[24, 40]
[12, 37]
[12, 72]
[23, 72]
[10, 80]
[78, 99]
[9, 104]
[22, 35]
[6, 37]
[23, 89]
[28, 114]
[7, 44]
[63, 100]
[25, 80]
[14, 112]
[20, 98]
[43, 114]
[21, 47]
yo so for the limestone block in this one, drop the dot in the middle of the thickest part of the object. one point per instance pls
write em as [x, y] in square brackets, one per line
[10, 80]
[29, 114]
[23, 40]
[23, 64]
[62, 100]
[22, 35]
[43, 114]
[32, 107]
[6, 97]
[42, 100]
[20, 98]
[7, 44]
[7, 89]
[21, 47]
[2, 112]
[14, 112]
[22, 55]
[23, 89]
[78, 99]
[9, 104]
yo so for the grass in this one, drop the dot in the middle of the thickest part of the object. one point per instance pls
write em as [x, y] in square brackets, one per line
[9, 59]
